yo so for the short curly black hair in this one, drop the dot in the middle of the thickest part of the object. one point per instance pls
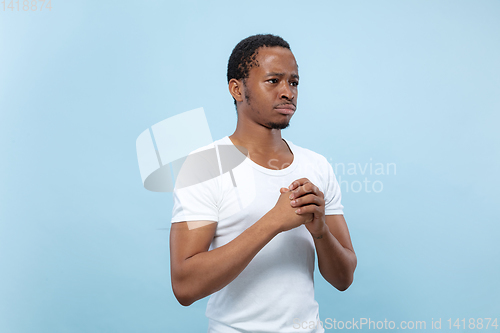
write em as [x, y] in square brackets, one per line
[245, 52]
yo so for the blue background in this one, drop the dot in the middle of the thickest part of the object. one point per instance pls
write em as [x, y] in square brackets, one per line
[84, 247]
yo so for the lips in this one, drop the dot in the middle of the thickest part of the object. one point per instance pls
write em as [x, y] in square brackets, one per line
[286, 109]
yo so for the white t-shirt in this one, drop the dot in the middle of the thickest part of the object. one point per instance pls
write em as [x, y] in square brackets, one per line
[276, 289]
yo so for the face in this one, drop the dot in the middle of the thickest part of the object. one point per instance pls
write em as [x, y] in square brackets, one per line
[270, 91]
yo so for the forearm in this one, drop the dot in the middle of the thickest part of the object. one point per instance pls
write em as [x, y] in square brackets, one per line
[336, 263]
[207, 272]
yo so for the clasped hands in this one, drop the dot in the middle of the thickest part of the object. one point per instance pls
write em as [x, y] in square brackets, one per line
[307, 199]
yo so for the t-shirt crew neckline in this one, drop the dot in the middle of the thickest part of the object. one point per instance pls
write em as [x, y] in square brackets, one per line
[272, 172]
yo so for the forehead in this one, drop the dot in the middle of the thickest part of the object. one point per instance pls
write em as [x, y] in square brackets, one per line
[275, 59]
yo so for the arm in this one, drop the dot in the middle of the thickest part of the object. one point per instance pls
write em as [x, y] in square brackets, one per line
[336, 258]
[197, 272]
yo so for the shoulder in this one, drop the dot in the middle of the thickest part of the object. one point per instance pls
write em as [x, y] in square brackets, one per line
[224, 141]
[201, 165]
[205, 157]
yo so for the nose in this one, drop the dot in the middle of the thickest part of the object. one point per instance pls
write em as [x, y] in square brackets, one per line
[287, 91]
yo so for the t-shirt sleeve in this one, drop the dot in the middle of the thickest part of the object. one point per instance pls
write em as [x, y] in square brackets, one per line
[197, 186]
[196, 202]
[332, 194]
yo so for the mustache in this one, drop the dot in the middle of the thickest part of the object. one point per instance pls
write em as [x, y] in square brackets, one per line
[286, 104]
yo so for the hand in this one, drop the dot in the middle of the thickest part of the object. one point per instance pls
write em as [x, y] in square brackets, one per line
[306, 198]
[284, 214]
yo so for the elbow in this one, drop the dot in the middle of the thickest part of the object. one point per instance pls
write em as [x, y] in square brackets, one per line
[182, 294]
[343, 282]
[348, 278]
[183, 300]
[344, 285]
[340, 282]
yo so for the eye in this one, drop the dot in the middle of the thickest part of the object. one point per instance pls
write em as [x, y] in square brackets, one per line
[273, 80]
[294, 83]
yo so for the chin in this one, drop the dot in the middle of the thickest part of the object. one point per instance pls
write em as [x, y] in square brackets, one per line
[278, 126]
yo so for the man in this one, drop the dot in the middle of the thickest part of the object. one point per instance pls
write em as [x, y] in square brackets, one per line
[248, 237]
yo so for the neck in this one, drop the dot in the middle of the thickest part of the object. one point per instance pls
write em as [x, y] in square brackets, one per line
[257, 138]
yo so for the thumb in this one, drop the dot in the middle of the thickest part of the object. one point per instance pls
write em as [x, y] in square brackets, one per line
[284, 189]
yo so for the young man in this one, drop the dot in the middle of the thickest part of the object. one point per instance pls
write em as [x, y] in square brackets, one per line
[248, 236]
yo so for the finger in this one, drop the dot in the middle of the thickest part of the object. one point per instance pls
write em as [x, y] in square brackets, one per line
[305, 189]
[308, 200]
[301, 190]
[310, 209]
[317, 212]
[297, 183]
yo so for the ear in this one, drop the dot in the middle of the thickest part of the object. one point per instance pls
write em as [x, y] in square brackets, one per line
[236, 89]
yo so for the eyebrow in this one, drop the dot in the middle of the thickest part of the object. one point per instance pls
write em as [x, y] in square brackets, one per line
[296, 76]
